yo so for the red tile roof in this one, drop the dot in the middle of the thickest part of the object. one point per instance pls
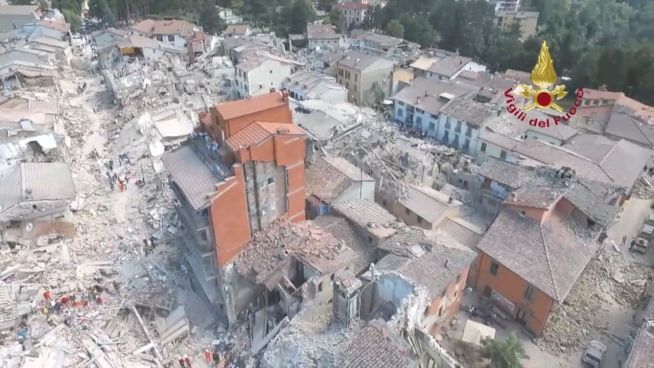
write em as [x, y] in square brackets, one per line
[258, 132]
[168, 27]
[230, 110]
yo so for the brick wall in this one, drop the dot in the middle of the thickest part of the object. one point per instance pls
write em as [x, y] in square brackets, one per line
[513, 287]
[229, 217]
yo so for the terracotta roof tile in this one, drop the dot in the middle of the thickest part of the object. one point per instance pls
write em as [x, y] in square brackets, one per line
[234, 109]
[375, 347]
[257, 132]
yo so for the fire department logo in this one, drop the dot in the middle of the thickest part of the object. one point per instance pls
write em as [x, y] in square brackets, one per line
[543, 94]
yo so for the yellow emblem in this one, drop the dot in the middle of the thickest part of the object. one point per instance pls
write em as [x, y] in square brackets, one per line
[544, 77]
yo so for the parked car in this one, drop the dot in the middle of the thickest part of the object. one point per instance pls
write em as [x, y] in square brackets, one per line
[646, 232]
[594, 354]
[639, 245]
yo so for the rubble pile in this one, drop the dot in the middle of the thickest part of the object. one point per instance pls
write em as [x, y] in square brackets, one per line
[270, 248]
[103, 285]
[395, 157]
[609, 280]
[311, 339]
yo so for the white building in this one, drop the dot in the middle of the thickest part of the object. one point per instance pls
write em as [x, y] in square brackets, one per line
[445, 65]
[228, 16]
[322, 36]
[419, 105]
[309, 85]
[258, 73]
[177, 33]
[459, 124]
[353, 13]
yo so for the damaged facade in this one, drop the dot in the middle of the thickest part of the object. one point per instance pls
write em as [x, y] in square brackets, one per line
[247, 159]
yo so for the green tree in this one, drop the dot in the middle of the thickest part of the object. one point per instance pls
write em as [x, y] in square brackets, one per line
[72, 18]
[417, 29]
[395, 28]
[504, 354]
[336, 19]
[209, 19]
[299, 14]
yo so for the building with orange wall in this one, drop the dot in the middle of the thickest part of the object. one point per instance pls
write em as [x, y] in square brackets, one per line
[537, 248]
[242, 170]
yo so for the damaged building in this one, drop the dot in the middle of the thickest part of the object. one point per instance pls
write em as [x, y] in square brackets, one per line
[246, 160]
[33, 197]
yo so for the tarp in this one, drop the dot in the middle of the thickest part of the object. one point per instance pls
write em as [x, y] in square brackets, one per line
[475, 332]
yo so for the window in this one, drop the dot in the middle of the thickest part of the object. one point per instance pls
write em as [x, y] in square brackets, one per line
[400, 103]
[448, 125]
[494, 268]
[458, 127]
[270, 71]
[356, 77]
[400, 112]
[432, 126]
[332, 277]
[203, 235]
[354, 87]
[160, 38]
[419, 120]
[456, 140]
[503, 155]
[483, 147]
[340, 72]
[426, 310]
[271, 180]
[260, 86]
[446, 136]
[320, 287]
[469, 132]
[370, 239]
[419, 219]
[529, 293]
[466, 145]
[419, 111]
[384, 202]
[433, 116]
[171, 38]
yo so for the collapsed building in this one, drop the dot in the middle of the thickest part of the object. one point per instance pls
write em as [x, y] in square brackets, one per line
[246, 159]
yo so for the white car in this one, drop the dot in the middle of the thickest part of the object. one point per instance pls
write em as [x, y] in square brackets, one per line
[594, 354]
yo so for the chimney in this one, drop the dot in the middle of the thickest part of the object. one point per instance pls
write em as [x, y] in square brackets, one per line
[283, 131]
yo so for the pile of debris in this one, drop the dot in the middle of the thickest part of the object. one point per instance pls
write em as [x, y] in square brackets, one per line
[609, 281]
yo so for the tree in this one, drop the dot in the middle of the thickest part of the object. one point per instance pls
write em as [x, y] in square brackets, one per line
[417, 29]
[336, 19]
[209, 18]
[395, 28]
[504, 354]
[72, 18]
[299, 14]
